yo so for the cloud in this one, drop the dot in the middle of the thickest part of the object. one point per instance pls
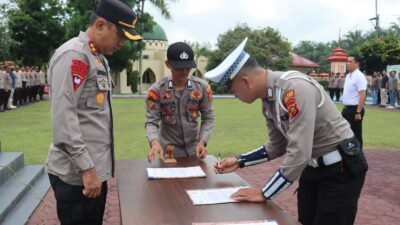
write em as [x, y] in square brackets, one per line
[204, 20]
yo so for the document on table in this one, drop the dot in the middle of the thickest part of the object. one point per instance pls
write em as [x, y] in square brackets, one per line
[258, 222]
[212, 196]
[175, 172]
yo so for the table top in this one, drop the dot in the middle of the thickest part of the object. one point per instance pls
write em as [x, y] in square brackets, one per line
[165, 202]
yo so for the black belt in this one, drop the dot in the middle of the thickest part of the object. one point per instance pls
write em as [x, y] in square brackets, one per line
[351, 106]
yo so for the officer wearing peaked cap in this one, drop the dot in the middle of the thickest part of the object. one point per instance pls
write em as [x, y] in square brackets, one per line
[174, 106]
[81, 154]
[307, 130]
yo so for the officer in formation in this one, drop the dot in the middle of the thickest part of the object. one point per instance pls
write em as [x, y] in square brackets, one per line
[81, 154]
[3, 92]
[5, 87]
[42, 82]
[174, 105]
[305, 127]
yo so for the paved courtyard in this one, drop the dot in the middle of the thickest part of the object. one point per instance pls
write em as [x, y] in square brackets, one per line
[379, 202]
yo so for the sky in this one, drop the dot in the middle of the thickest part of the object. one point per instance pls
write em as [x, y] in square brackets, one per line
[315, 20]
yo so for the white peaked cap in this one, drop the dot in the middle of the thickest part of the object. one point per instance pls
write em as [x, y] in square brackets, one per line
[230, 66]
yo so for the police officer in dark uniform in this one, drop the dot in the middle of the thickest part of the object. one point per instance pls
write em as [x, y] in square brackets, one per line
[317, 143]
[175, 104]
[81, 155]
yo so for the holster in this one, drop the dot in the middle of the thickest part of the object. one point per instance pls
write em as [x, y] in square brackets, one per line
[353, 157]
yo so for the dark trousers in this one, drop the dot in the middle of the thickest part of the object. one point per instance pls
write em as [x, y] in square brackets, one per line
[17, 97]
[337, 94]
[332, 93]
[328, 195]
[349, 112]
[73, 208]
[6, 99]
[379, 96]
[2, 98]
[41, 91]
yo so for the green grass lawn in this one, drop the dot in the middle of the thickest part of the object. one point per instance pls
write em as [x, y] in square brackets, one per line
[238, 128]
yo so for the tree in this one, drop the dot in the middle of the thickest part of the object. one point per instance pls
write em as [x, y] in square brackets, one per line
[199, 50]
[162, 5]
[395, 27]
[316, 52]
[36, 28]
[5, 36]
[353, 41]
[377, 53]
[80, 12]
[266, 45]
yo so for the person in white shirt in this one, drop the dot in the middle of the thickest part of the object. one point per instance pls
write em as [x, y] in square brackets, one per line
[354, 93]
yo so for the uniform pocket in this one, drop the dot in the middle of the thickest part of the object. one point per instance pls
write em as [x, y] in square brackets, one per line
[59, 162]
[96, 100]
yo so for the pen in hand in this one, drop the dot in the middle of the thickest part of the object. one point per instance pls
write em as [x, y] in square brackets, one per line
[219, 162]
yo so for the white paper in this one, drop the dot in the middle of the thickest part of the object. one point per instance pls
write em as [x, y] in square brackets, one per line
[212, 196]
[175, 172]
[262, 222]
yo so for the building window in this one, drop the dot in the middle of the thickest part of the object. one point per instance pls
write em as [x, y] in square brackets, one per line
[145, 56]
[148, 77]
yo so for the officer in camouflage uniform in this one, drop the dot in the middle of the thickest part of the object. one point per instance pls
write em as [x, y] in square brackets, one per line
[81, 154]
[306, 126]
[178, 101]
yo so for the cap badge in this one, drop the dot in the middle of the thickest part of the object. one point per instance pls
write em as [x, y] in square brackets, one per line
[184, 55]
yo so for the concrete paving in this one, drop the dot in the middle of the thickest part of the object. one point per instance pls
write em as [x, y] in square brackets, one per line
[379, 202]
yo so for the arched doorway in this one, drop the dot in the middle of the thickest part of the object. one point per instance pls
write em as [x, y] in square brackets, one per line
[197, 73]
[148, 78]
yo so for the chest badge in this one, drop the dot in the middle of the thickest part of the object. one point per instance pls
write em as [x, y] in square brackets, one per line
[100, 98]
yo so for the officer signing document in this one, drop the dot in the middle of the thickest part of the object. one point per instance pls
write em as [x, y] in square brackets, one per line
[305, 128]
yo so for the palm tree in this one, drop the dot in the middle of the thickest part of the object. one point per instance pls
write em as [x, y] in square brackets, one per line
[353, 40]
[162, 5]
[396, 27]
[199, 50]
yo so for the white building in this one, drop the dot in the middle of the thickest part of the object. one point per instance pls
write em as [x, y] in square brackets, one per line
[153, 66]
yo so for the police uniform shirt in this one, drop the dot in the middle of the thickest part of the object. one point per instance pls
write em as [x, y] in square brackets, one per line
[80, 95]
[304, 130]
[2, 80]
[354, 83]
[179, 113]
[28, 78]
[18, 79]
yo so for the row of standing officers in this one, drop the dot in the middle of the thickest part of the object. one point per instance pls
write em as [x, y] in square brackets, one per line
[20, 86]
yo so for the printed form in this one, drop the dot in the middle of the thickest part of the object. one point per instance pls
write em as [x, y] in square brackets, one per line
[212, 196]
[175, 172]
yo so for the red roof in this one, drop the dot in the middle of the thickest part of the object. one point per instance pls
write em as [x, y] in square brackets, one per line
[300, 61]
[338, 55]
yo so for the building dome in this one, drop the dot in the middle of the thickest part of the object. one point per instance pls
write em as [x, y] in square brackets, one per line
[157, 34]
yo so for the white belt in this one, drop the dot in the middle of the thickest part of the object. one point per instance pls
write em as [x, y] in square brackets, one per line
[326, 160]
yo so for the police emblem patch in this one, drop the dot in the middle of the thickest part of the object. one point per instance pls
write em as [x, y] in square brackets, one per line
[153, 95]
[209, 93]
[291, 104]
[197, 95]
[150, 104]
[100, 98]
[79, 71]
[167, 96]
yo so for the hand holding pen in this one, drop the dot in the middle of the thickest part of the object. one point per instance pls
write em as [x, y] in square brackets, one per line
[225, 165]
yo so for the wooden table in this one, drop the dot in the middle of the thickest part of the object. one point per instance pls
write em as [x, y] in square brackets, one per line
[165, 202]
